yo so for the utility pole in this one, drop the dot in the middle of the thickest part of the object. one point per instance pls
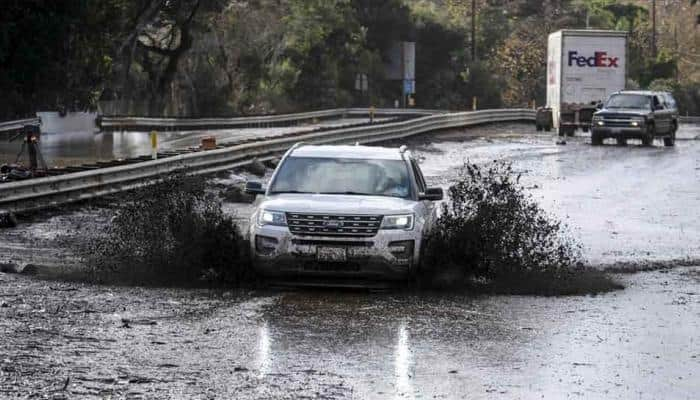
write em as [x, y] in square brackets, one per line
[653, 28]
[473, 30]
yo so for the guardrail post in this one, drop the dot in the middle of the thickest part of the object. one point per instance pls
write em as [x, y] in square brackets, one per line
[154, 145]
[474, 103]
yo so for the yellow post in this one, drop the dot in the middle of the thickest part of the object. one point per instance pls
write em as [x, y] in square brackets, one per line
[372, 111]
[474, 103]
[154, 145]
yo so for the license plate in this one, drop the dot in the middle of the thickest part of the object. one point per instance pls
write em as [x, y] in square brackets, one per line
[333, 254]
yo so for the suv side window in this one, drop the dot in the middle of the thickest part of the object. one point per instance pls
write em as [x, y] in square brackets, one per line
[657, 102]
[420, 180]
[670, 102]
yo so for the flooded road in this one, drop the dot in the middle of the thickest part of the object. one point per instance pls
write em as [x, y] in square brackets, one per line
[74, 148]
[626, 204]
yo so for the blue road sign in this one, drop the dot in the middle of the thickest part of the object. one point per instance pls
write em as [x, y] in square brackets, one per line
[409, 86]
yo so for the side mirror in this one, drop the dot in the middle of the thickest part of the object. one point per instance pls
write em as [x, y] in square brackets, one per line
[431, 194]
[658, 107]
[599, 106]
[253, 187]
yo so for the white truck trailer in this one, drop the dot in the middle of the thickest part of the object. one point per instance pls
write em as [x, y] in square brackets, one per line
[583, 68]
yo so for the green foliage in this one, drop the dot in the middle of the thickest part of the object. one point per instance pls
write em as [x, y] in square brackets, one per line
[203, 58]
[54, 54]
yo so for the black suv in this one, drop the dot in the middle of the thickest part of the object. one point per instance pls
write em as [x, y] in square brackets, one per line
[641, 115]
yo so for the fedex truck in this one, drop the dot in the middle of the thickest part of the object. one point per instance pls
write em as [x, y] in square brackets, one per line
[583, 68]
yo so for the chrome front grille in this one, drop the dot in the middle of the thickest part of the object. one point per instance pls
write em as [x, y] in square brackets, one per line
[617, 120]
[617, 116]
[618, 123]
[333, 225]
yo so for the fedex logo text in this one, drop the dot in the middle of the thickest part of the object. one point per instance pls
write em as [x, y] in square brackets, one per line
[599, 59]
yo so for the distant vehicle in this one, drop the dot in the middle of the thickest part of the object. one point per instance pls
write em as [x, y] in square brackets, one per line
[354, 212]
[641, 115]
[583, 68]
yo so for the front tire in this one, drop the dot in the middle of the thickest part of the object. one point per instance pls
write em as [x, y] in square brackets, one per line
[648, 139]
[596, 139]
[670, 140]
[622, 141]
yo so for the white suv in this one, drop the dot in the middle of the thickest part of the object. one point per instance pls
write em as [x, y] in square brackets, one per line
[342, 212]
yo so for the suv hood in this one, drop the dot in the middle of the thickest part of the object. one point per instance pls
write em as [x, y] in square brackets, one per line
[622, 111]
[338, 204]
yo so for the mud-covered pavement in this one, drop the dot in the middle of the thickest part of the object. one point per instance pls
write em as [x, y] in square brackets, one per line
[630, 204]
[74, 341]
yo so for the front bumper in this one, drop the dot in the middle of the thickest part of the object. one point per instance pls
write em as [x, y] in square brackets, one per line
[277, 253]
[632, 132]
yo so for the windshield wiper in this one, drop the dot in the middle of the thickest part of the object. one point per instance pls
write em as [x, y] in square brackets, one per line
[291, 191]
[350, 193]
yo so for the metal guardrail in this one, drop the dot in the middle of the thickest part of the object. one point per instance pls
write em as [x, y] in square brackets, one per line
[18, 124]
[52, 191]
[689, 120]
[148, 123]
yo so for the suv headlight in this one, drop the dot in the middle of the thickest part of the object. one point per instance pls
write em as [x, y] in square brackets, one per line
[402, 221]
[268, 217]
[637, 121]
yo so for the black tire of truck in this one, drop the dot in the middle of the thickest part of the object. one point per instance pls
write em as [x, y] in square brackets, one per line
[670, 140]
[596, 139]
[648, 138]
[538, 127]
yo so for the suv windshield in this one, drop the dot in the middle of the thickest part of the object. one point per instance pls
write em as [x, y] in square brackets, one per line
[342, 176]
[629, 101]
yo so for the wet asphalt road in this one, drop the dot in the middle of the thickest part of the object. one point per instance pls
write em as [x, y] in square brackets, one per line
[626, 204]
[639, 343]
